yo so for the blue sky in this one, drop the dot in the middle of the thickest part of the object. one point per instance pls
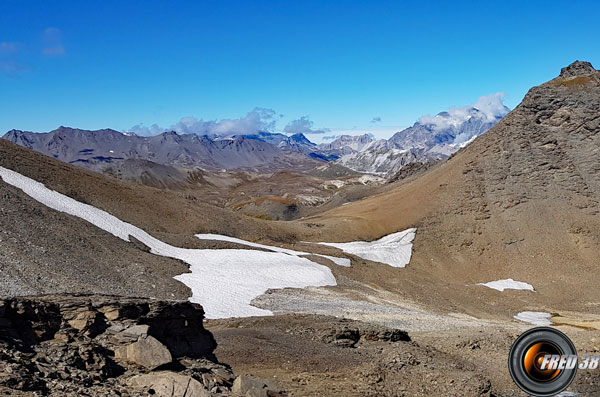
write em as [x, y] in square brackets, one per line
[337, 65]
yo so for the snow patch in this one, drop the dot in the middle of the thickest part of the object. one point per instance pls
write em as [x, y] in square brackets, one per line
[467, 142]
[369, 179]
[224, 281]
[509, 283]
[310, 200]
[337, 183]
[394, 249]
[535, 318]
[218, 237]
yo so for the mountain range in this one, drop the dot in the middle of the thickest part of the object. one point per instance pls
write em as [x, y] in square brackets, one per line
[433, 139]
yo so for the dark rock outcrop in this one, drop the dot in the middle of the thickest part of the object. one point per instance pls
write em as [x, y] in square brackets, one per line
[107, 345]
[350, 336]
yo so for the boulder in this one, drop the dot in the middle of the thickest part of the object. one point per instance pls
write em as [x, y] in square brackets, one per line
[168, 384]
[249, 386]
[147, 352]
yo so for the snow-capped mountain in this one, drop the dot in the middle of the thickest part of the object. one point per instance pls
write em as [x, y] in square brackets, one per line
[430, 138]
[347, 144]
[384, 161]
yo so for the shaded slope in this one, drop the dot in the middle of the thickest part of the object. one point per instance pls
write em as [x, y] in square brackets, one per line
[46, 251]
[165, 214]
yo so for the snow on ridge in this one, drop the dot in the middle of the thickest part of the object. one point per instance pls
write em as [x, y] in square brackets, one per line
[394, 249]
[224, 281]
[535, 318]
[509, 283]
[219, 237]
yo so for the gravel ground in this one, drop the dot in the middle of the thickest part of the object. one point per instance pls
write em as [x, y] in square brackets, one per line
[375, 308]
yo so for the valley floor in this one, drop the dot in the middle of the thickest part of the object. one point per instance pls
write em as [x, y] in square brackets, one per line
[312, 355]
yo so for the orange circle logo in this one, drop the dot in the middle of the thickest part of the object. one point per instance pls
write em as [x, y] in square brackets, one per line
[534, 357]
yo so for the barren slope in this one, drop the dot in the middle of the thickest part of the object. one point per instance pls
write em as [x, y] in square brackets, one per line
[46, 251]
[520, 202]
[166, 214]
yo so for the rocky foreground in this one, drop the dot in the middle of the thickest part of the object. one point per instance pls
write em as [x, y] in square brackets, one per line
[96, 345]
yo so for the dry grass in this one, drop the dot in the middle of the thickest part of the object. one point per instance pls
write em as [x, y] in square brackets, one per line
[574, 82]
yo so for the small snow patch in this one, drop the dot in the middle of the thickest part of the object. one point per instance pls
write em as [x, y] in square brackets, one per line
[535, 318]
[509, 283]
[394, 249]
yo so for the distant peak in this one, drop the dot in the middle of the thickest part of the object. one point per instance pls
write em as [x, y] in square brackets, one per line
[300, 137]
[577, 68]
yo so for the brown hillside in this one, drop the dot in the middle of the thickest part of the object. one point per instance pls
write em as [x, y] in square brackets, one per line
[520, 202]
[165, 214]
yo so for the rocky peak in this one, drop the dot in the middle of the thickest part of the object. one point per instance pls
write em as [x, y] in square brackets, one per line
[65, 130]
[300, 138]
[577, 68]
[12, 133]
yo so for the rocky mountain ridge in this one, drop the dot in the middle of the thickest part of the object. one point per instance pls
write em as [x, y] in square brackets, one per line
[432, 139]
[96, 149]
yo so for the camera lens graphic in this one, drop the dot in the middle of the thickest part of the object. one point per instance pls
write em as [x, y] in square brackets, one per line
[534, 357]
[526, 358]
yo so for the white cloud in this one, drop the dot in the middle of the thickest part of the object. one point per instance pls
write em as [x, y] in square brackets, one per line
[9, 64]
[142, 130]
[303, 125]
[53, 45]
[491, 106]
[13, 69]
[8, 47]
[259, 119]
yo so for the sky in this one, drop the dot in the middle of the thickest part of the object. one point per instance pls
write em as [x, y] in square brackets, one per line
[319, 67]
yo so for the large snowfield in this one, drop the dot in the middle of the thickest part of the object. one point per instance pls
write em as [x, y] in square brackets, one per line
[223, 281]
[394, 249]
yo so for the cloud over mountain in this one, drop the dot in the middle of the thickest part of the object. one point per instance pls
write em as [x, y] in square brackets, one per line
[259, 119]
[303, 125]
[491, 106]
